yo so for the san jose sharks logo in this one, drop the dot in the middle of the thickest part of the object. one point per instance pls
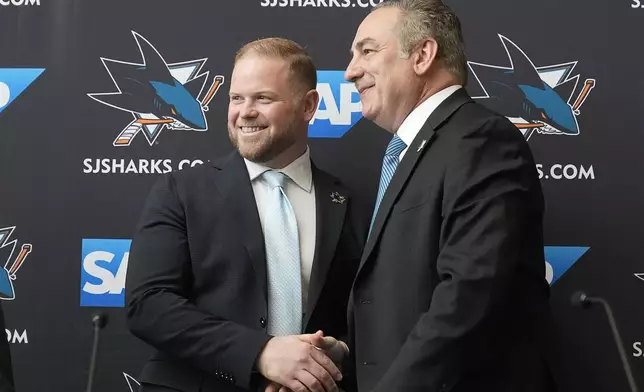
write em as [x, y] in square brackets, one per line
[8, 273]
[535, 99]
[159, 95]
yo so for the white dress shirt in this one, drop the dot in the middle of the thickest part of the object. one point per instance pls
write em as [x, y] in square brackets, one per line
[417, 118]
[300, 191]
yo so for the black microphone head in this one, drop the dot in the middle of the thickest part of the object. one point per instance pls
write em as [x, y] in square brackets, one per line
[579, 299]
[100, 319]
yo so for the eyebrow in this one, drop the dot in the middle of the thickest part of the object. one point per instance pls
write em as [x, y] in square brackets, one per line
[363, 42]
[261, 92]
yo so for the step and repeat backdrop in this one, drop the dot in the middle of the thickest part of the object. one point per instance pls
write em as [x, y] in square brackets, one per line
[76, 165]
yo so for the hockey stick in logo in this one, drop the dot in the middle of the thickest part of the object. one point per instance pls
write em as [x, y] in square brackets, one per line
[26, 249]
[7, 275]
[218, 81]
[127, 135]
[589, 85]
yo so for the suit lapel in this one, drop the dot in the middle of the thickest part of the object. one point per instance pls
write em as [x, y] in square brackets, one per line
[422, 142]
[238, 195]
[329, 222]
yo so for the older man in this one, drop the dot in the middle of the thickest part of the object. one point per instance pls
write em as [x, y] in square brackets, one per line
[450, 294]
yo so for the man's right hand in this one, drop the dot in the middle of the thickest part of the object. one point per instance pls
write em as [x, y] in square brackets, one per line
[297, 365]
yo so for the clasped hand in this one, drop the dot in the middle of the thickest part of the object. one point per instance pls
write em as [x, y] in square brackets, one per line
[302, 363]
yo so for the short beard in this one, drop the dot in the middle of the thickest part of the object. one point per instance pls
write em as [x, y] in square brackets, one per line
[267, 148]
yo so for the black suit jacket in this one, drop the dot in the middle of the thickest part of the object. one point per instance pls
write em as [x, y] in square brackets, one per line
[196, 283]
[450, 294]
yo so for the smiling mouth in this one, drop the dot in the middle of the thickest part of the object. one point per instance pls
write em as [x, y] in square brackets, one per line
[363, 89]
[251, 130]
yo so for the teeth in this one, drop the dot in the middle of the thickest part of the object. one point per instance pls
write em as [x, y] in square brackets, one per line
[251, 129]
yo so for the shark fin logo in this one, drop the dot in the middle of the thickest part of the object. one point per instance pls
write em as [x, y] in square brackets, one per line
[14, 81]
[159, 95]
[535, 99]
[559, 259]
[131, 382]
[8, 273]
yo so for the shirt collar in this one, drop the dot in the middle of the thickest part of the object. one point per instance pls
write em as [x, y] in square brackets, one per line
[299, 170]
[417, 118]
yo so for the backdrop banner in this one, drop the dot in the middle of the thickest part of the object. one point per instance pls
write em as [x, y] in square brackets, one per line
[76, 164]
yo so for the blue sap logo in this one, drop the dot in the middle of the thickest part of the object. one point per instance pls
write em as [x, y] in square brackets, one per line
[559, 259]
[103, 272]
[339, 107]
[14, 81]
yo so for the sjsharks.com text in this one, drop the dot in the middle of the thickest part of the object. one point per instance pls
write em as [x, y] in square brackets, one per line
[560, 171]
[320, 3]
[136, 166]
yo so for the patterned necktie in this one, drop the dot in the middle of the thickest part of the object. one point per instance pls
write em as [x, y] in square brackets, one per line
[283, 261]
[389, 164]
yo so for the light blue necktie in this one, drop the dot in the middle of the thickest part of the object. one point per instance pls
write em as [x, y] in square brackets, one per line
[283, 260]
[389, 164]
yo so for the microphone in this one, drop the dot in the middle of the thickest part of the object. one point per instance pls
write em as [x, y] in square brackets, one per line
[582, 300]
[99, 321]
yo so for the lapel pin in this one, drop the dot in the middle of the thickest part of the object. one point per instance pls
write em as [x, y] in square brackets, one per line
[337, 198]
[421, 145]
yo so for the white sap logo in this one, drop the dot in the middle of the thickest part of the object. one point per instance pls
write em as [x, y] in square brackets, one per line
[19, 2]
[5, 94]
[339, 108]
[110, 283]
[103, 272]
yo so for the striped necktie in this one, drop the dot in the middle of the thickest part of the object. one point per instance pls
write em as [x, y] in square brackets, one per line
[389, 165]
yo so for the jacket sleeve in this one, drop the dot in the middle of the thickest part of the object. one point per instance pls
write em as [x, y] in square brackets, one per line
[158, 291]
[492, 203]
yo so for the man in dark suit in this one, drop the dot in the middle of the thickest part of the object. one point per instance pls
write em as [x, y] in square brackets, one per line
[237, 264]
[451, 293]
[6, 369]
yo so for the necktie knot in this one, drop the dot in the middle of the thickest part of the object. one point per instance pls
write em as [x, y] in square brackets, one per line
[395, 147]
[274, 178]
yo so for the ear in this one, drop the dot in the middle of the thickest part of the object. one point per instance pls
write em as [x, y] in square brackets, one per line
[309, 104]
[425, 55]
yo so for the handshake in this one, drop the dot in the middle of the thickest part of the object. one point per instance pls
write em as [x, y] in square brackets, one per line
[302, 363]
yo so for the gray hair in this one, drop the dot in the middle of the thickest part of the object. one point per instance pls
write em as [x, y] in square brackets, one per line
[421, 19]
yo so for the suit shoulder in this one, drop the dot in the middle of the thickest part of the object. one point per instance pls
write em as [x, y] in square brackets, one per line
[474, 119]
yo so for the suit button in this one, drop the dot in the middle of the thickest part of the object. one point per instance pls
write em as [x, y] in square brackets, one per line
[262, 322]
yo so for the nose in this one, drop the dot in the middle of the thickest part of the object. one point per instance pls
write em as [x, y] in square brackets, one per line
[248, 110]
[354, 71]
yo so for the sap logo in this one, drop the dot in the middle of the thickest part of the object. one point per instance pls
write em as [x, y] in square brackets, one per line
[559, 259]
[14, 81]
[20, 2]
[339, 108]
[103, 272]
[637, 349]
